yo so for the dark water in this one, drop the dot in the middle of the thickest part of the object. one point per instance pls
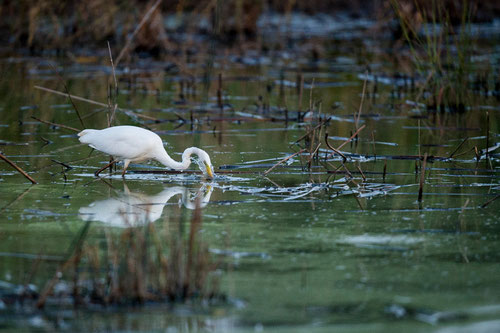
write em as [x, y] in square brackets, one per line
[298, 250]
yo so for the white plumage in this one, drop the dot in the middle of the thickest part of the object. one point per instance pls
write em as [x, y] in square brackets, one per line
[135, 144]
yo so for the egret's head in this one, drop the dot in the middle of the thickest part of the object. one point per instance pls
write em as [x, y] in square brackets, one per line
[204, 164]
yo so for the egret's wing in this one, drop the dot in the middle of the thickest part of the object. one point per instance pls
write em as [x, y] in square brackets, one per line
[123, 143]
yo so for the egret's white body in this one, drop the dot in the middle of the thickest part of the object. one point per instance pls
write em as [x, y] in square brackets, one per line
[135, 144]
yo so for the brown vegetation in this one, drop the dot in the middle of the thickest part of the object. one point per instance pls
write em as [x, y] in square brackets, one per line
[52, 24]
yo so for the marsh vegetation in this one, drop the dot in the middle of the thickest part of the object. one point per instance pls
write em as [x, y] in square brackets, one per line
[355, 147]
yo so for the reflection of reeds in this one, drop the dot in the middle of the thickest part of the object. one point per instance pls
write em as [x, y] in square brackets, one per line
[141, 265]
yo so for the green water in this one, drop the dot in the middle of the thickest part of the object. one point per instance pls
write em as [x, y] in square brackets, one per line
[297, 250]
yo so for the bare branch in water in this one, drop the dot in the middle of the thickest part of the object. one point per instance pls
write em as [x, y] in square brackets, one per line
[283, 160]
[21, 171]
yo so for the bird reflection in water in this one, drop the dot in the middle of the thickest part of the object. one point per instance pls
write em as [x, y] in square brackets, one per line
[129, 209]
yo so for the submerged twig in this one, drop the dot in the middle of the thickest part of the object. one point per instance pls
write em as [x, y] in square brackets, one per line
[352, 137]
[373, 144]
[422, 179]
[334, 149]
[361, 103]
[385, 170]
[300, 92]
[55, 124]
[284, 160]
[312, 130]
[361, 172]
[459, 146]
[487, 136]
[490, 201]
[311, 155]
[19, 197]
[21, 171]
[68, 167]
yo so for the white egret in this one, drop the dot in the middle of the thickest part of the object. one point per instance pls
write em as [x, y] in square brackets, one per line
[135, 144]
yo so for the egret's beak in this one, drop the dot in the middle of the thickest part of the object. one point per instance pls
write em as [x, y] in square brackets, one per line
[209, 170]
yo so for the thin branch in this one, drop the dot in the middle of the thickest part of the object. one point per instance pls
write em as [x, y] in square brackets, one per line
[69, 96]
[129, 113]
[459, 146]
[422, 179]
[312, 130]
[112, 65]
[141, 24]
[112, 115]
[72, 96]
[352, 137]
[490, 201]
[21, 171]
[283, 160]
[55, 124]
[311, 156]
[335, 150]
[361, 172]
[362, 99]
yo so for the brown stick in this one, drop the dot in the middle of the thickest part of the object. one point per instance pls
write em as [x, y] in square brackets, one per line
[112, 65]
[105, 167]
[311, 155]
[373, 142]
[19, 197]
[422, 179]
[69, 96]
[487, 136]
[352, 137]
[385, 170]
[21, 171]
[465, 152]
[219, 92]
[490, 201]
[361, 172]
[335, 150]
[312, 130]
[139, 26]
[72, 96]
[348, 172]
[301, 90]
[311, 98]
[459, 146]
[361, 103]
[54, 124]
[283, 160]
[127, 112]
[113, 110]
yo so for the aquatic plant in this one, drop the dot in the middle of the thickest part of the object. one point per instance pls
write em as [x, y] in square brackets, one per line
[135, 266]
[440, 49]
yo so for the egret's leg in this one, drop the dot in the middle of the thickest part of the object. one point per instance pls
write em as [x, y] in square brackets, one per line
[104, 168]
[125, 166]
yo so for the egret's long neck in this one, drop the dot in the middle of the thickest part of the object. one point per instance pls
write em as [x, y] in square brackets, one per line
[166, 160]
